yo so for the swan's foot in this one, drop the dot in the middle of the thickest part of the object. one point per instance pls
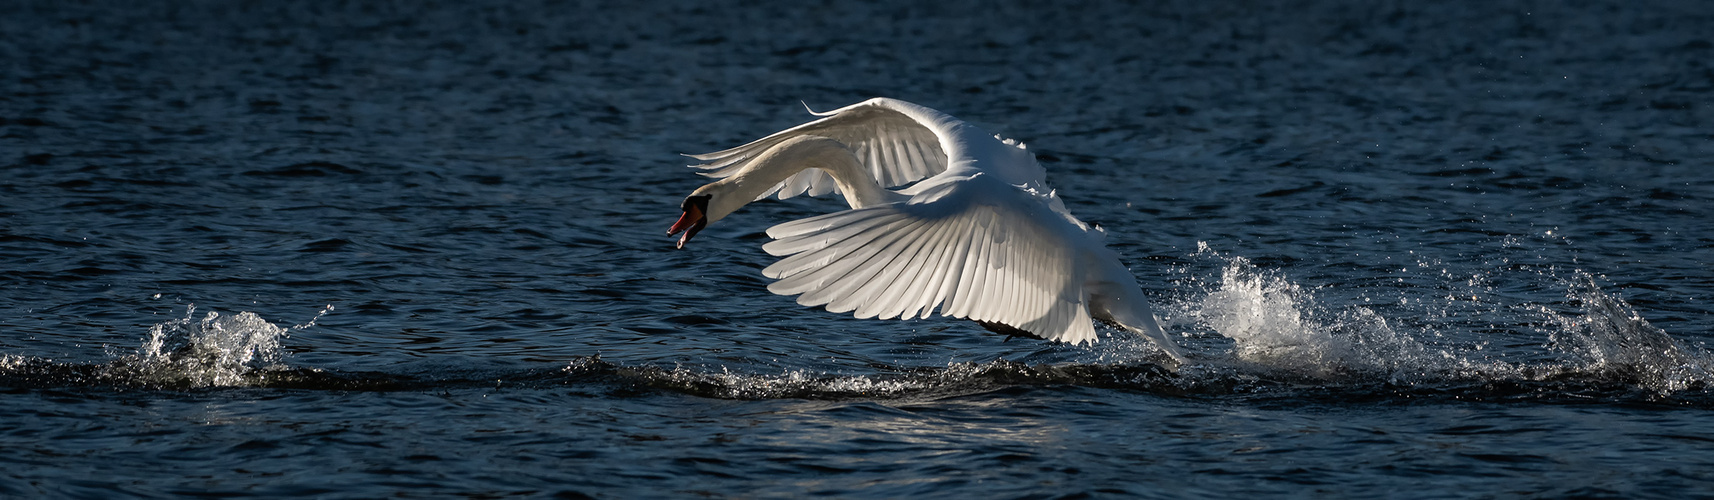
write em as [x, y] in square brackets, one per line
[1008, 330]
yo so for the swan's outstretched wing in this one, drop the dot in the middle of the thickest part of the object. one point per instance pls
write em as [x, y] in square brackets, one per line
[898, 141]
[977, 248]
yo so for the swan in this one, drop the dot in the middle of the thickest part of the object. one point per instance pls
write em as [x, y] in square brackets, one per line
[974, 231]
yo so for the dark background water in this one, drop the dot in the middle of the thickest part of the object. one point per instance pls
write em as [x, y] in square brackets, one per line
[1418, 250]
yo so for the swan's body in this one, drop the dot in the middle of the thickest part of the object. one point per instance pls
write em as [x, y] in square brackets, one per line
[977, 235]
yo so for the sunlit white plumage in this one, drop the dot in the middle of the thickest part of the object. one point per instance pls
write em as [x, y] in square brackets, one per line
[973, 232]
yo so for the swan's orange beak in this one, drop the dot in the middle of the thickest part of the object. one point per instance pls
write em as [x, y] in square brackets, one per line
[693, 219]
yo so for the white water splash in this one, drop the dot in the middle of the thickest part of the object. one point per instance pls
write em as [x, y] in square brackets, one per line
[214, 350]
[1277, 325]
[1265, 317]
[10, 362]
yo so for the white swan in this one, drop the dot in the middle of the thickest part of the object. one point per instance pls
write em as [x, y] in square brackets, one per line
[979, 236]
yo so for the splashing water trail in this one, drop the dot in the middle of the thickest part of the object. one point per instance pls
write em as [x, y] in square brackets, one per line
[1610, 339]
[1277, 327]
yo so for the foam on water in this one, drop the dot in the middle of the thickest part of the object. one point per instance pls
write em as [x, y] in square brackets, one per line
[795, 382]
[893, 383]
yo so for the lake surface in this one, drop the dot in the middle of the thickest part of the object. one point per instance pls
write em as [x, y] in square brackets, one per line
[324, 249]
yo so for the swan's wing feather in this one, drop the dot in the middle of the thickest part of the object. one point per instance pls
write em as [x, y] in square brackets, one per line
[898, 142]
[977, 249]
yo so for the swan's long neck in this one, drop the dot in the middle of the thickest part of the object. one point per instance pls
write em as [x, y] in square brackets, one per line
[788, 158]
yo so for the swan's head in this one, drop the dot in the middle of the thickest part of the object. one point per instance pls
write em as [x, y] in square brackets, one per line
[695, 217]
[708, 204]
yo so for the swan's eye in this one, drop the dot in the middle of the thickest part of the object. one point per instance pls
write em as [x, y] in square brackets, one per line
[699, 202]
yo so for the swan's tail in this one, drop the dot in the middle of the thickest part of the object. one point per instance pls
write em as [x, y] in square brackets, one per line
[1135, 315]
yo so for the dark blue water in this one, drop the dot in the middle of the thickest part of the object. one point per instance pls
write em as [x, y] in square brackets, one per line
[320, 249]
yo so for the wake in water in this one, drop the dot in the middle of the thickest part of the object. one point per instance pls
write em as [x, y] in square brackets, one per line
[1253, 332]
